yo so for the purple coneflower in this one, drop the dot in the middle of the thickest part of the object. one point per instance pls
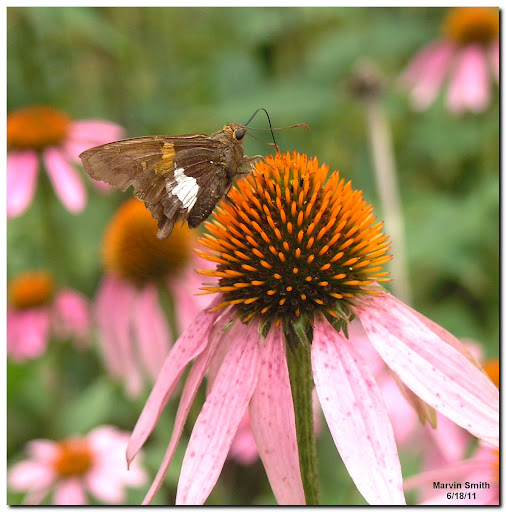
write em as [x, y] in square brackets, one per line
[43, 132]
[35, 312]
[299, 253]
[468, 54]
[140, 269]
[76, 466]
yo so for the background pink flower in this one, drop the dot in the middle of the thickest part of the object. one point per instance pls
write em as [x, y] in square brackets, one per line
[43, 132]
[35, 312]
[146, 279]
[468, 55]
[76, 466]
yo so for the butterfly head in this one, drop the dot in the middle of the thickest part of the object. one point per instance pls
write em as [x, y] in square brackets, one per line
[235, 130]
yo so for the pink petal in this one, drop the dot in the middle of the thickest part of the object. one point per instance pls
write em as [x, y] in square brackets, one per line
[451, 440]
[22, 167]
[220, 416]
[70, 492]
[72, 316]
[438, 373]
[470, 84]
[426, 73]
[357, 417]
[42, 450]
[114, 312]
[106, 486]
[244, 448]
[189, 345]
[86, 134]
[272, 422]
[151, 330]
[30, 475]
[65, 179]
[27, 333]
[216, 337]
[105, 307]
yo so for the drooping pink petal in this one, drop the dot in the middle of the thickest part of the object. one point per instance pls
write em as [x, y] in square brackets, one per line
[30, 475]
[426, 73]
[70, 492]
[193, 381]
[438, 373]
[105, 308]
[151, 330]
[86, 134]
[272, 421]
[189, 345]
[71, 312]
[221, 414]
[65, 179]
[451, 440]
[470, 84]
[357, 417]
[22, 167]
[27, 333]
[120, 329]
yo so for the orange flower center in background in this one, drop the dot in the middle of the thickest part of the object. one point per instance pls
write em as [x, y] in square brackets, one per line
[292, 240]
[30, 289]
[491, 368]
[36, 127]
[74, 458]
[467, 25]
[132, 251]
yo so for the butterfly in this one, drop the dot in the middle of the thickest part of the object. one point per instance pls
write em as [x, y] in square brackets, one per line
[178, 177]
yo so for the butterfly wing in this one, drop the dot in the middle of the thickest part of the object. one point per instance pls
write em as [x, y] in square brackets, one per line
[167, 173]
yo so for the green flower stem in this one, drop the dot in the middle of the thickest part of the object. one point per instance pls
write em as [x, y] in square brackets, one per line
[301, 381]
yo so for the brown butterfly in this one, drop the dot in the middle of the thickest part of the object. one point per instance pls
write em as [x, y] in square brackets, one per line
[178, 178]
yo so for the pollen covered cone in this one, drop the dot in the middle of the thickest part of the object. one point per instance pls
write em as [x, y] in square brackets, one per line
[132, 251]
[468, 25]
[73, 458]
[36, 127]
[30, 289]
[292, 240]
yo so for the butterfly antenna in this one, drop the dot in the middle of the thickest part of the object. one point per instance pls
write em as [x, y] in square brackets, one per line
[270, 125]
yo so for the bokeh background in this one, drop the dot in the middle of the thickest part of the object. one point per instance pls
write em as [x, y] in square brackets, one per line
[186, 70]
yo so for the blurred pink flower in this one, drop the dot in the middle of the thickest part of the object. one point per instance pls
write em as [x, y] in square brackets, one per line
[43, 132]
[35, 313]
[468, 55]
[453, 465]
[76, 466]
[141, 273]
[243, 371]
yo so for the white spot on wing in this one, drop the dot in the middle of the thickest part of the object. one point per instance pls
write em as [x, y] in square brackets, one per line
[186, 189]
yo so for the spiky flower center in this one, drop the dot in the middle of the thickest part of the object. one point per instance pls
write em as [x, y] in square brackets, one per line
[468, 25]
[31, 289]
[289, 242]
[36, 128]
[74, 458]
[132, 251]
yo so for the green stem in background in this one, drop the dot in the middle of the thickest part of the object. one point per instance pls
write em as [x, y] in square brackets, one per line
[380, 138]
[298, 356]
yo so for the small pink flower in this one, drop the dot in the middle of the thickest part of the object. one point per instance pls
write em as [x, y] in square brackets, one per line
[76, 466]
[43, 132]
[35, 313]
[142, 275]
[300, 246]
[468, 55]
